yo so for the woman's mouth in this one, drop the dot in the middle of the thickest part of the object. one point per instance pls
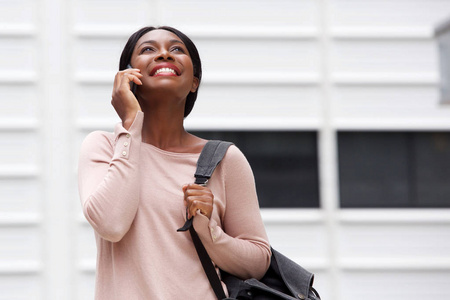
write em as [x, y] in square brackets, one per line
[165, 70]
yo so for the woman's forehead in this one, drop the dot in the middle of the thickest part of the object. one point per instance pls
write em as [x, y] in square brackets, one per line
[159, 35]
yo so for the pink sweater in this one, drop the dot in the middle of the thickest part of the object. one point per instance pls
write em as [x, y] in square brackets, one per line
[131, 195]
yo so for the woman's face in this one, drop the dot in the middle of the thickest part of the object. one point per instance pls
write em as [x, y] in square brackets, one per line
[165, 64]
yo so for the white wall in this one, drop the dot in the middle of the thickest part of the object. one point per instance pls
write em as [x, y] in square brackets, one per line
[321, 65]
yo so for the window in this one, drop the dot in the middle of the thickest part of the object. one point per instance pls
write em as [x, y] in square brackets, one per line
[394, 169]
[284, 164]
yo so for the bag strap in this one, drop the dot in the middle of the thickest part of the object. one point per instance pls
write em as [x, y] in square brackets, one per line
[210, 157]
[212, 154]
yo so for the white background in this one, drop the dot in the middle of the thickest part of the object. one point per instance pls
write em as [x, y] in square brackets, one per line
[322, 65]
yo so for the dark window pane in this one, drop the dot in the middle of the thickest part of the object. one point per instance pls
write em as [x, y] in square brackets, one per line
[432, 164]
[394, 169]
[284, 165]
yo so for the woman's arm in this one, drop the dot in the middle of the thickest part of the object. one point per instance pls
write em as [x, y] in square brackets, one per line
[241, 247]
[108, 178]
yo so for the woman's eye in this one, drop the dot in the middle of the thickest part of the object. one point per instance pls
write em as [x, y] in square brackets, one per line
[178, 49]
[146, 49]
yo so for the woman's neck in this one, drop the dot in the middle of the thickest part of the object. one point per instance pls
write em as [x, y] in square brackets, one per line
[164, 125]
[164, 128]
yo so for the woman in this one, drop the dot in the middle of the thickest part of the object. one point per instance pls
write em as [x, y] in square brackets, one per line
[136, 183]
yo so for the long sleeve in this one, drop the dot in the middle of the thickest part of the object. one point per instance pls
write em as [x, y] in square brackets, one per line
[108, 175]
[240, 245]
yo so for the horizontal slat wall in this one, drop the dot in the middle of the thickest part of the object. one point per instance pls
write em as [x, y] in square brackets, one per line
[22, 261]
[323, 65]
[383, 75]
[294, 65]
[384, 64]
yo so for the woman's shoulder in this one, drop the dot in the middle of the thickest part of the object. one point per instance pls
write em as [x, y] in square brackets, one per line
[99, 136]
[234, 157]
[235, 168]
[234, 152]
[97, 141]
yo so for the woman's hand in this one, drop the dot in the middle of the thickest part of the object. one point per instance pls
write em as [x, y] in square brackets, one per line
[198, 198]
[123, 99]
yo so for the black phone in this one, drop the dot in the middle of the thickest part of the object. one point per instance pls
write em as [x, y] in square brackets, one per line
[132, 84]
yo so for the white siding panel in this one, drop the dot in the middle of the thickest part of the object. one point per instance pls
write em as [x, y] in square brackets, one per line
[235, 13]
[109, 12]
[267, 101]
[306, 243]
[387, 13]
[396, 285]
[93, 101]
[384, 57]
[18, 54]
[86, 286]
[19, 148]
[21, 287]
[20, 244]
[20, 195]
[395, 241]
[86, 247]
[17, 12]
[98, 55]
[256, 56]
[415, 103]
[15, 104]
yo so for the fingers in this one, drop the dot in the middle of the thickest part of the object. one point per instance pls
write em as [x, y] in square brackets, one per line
[198, 199]
[123, 79]
[123, 100]
[133, 76]
[119, 78]
[200, 207]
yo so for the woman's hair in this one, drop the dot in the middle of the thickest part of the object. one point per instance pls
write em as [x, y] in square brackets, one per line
[127, 51]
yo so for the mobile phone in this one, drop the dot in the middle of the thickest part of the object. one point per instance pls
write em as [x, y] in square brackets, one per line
[132, 84]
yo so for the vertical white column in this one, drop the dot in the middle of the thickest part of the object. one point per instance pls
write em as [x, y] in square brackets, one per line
[328, 163]
[57, 166]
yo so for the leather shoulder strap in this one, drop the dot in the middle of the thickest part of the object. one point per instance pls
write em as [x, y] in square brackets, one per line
[212, 154]
[210, 157]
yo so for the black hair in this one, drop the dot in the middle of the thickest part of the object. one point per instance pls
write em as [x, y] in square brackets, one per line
[127, 52]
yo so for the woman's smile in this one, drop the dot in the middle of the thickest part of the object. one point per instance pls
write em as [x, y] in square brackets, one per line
[163, 55]
[165, 69]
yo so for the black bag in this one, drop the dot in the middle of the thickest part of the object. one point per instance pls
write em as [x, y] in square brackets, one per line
[283, 280]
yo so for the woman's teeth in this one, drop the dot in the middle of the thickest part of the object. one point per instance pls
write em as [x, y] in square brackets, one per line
[165, 70]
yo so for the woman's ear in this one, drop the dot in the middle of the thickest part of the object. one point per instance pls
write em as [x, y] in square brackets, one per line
[195, 84]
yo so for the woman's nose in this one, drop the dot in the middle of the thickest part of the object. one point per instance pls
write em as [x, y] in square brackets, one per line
[164, 55]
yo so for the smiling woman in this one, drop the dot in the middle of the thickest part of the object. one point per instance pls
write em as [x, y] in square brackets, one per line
[135, 183]
[181, 43]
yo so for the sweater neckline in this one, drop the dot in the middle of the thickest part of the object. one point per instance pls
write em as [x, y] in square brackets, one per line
[169, 153]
